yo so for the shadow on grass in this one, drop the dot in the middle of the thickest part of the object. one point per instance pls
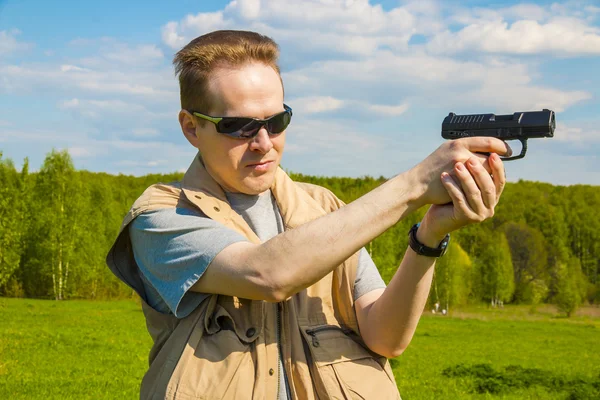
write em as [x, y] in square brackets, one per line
[486, 379]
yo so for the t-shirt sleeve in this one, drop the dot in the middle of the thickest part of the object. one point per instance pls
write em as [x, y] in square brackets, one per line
[367, 275]
[172, 248]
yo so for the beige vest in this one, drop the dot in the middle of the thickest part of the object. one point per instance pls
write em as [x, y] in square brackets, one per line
[226, 348]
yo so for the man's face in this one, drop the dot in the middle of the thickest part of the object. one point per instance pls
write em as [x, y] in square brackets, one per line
[253, 90]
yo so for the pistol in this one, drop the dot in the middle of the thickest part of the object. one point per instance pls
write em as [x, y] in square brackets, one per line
[518, 126]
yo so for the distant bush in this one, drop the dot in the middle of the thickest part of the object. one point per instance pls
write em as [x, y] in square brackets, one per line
[489, 380]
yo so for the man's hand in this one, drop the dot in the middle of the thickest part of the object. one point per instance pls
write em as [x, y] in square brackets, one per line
[427, 173]
[474, 193]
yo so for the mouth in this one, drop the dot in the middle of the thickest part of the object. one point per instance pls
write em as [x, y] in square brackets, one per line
[262, 166]
[260, 163]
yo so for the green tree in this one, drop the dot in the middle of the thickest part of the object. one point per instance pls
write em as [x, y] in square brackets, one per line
[452, 283]
[569, 296]
[529, 259]
[54, 234]
[11, 222]
[493, 270]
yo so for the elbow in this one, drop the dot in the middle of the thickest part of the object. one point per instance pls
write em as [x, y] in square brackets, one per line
[388, 351]
[266, 279]
[275, 296]
[274, 288]
[278, 291]
[395, 352]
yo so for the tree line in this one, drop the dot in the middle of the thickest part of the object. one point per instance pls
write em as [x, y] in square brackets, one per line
[542, 246]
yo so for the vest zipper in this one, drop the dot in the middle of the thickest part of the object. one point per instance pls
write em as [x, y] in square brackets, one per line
[313, 332]
[280, 360]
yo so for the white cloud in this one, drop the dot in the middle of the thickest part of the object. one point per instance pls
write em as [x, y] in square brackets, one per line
[102, 109]
[170, 36]
[316, 104]
[350, 27]
[526, 11]
[67, 104]
[526, 98]
[116, 155]
[360, 28]
[320, 135]
[67, 68]
[321, 104]
[151, 163]
[569, 133]
[145, 132]
[94, 43]
[592, 9]
[79, 152]
[139, 55]
[478, 15]
[420, 69]
[9, 42]
[442, 81]
[389, 110]
[489, 32]
[158, 84]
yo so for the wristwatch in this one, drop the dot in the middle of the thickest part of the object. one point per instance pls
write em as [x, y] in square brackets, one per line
[423, 250]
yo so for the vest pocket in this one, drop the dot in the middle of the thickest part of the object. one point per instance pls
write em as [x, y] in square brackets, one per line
[215, 366]
[341, 368]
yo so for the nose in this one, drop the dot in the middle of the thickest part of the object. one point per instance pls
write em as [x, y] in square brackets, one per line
[261, 142]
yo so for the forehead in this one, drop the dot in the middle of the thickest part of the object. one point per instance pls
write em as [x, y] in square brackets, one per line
[252, 90]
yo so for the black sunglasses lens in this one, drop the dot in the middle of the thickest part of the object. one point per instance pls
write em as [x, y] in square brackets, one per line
[279, 122]
[245, 128]
[233, 124]
[249, 131]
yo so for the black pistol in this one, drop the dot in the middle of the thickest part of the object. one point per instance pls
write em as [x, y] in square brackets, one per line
[518, 126]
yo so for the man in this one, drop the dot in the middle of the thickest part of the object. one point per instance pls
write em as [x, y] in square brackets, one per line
[255, 286]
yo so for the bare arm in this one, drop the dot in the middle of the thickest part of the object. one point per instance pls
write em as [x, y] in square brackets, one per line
[389, 318]
[296, 259]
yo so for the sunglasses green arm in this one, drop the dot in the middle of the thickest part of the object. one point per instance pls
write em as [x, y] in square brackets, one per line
[216, 120]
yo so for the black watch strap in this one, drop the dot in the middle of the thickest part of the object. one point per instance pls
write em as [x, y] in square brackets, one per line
[423, 250]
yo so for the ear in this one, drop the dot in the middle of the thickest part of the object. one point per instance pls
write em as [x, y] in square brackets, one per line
[188, 127]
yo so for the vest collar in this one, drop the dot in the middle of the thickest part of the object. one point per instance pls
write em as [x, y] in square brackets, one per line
[296, 206]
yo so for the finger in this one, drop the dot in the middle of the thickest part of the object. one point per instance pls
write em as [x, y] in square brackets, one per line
[456, 194]
[484, 160]
[484, 182]
[470, 188]
[487, 144]
[498, 175]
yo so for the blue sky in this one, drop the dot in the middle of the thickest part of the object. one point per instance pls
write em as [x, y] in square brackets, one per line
[369, 82]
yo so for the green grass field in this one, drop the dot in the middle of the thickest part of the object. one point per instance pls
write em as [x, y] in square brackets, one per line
[98, 350]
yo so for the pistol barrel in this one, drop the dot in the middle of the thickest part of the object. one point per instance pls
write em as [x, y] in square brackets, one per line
[520, 125]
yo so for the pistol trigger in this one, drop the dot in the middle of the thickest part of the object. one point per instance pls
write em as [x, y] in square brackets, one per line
[523, 151]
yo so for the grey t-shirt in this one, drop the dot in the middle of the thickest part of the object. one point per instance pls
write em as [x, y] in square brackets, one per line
[173, 247]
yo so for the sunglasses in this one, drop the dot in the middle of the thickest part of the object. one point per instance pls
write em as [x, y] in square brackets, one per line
[245, 127]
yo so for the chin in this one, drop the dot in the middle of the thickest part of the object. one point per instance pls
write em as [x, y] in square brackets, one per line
[258, 185]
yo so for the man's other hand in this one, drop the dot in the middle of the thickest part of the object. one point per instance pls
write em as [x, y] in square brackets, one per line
[446, 157]
[474, 193]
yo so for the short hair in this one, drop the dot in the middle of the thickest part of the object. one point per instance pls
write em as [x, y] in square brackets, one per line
[195, 62]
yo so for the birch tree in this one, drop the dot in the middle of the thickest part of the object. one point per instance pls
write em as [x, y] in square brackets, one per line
[59, 201]
[494, 279]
